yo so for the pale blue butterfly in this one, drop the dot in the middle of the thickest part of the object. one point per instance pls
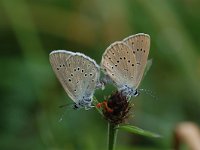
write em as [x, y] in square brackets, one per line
[78, 75]
[124, 62]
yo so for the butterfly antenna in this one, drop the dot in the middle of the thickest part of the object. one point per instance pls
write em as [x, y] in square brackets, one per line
[149, 92]
[64, 106]
[61, 118]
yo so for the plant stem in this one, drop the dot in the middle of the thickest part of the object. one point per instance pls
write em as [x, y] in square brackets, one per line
[95, 102]
[112, 136]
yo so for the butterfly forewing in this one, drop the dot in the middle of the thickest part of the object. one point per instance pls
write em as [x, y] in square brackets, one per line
[140, 45]
[78, 75]
[119, 63]
[58, 60]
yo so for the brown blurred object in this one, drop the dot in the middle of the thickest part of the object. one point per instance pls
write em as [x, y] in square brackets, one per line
[189, 134]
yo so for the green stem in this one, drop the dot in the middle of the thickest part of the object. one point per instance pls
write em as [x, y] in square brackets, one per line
[95, 102]
[112, 136]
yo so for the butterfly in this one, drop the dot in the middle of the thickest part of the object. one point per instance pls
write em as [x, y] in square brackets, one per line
[78, 74]
[124, 62]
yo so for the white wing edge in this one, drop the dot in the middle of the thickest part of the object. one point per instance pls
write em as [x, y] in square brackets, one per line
[62, 51]
[147, 35]
[75, 54]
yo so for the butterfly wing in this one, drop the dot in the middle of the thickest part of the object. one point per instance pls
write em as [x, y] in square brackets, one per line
[119, 63]
[58, 60]
[140, 45]
[84, 74]
[78, 73]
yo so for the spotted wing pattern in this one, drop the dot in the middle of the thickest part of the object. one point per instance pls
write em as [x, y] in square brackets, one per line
[77, 73]
[140, 45]
[119, 63]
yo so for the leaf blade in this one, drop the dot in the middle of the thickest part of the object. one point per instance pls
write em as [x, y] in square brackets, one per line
[136, 130]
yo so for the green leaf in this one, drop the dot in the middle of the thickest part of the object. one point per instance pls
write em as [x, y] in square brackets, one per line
[137, 130]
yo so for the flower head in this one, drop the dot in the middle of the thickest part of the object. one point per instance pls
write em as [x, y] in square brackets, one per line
[116, 109]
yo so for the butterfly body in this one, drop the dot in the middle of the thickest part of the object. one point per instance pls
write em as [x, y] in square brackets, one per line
[129, 91]
[78, 75]
[85, 102]
[124, 62]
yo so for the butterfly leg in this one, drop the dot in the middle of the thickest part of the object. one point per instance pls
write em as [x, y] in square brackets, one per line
[89, 106]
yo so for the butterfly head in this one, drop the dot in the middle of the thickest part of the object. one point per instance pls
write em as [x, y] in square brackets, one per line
[85, 102]
[136, 93]
[129, 91]
[76, 106]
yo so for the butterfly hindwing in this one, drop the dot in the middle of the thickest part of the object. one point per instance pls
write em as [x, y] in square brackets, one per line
[140, 45]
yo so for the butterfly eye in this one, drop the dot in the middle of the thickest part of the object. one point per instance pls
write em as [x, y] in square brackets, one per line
[136, 93]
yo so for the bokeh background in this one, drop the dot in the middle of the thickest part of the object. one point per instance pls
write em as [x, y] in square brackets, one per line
[30, 93]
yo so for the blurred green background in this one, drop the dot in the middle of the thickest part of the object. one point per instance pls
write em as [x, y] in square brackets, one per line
[30, 93]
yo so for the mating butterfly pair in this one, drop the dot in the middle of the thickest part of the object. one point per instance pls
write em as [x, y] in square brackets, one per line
[123, 62]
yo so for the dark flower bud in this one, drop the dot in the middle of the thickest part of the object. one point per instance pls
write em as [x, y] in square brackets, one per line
[120, 107]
